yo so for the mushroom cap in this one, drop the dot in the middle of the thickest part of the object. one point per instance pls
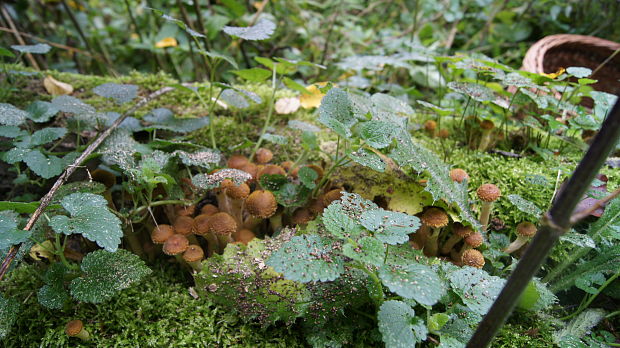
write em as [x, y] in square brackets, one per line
[184, 225]
[474, 240]
[176, 244]
[251, 169]
[301, 216]
[236, 191]
[209, 209]
[461, 230]
[443, 133]
[435, 217]
[261, 204]
[526, 229]
[316, 205]
[237, 161]
[193, 253]
[458, 175]
[245, 236]
[185, 210]
[201, 224]
[263, 155]
[331, 196]
[222, 223]
[104, 177]
[473, 258]
[286, 165]
[488, 193]
[74, 327]
[271, 169]
[430, 125]
[161, 233]
[487, 125]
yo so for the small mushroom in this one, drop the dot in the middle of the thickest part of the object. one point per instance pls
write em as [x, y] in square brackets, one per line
[473, 258]
[185, 210]
[251, 169]
[525, 231]
[459, 231]
[223, 226]
[201, 228]
[175, 245]
[433, 220]
[209, 209]
[237, 161]
[263, 155]
[472, 241]
[287, 165]
[193, 256]
[458, 175]
[429, 127]
[331, 196]
[161, 233]
[260, 205]
[488, 193]
[236, 197]
[104, 177]
[485, 139]
[75, 328]
[184, 225]
[243, 236]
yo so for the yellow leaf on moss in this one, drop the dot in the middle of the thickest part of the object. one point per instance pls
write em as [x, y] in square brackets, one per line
[312, 99]
[167, 42]
[555, 74]
[55, 87]
[41, 251]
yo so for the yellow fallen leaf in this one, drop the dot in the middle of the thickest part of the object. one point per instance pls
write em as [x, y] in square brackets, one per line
[287, 105]
[259, 4]
[167, 42]
[312, 99]
[55, 87]
[41, 251]
[555, 74]
[345, 75]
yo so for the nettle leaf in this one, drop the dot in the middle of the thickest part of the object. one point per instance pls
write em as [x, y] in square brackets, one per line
[211, 181]
[439, 110]
[40, 48]
[40, 111]
[368, 250]
[253, 74]
[291, 195]
[262, 30]
[335, 112]
[578, 239]
[580, 326]
[9, 233]
[579, 72]
[608, 225]
[162, 118]
[590, 282]
[524, 205]
[43, 165]
[12, 132]
[303, 126]
[120, 93]
[339, 223]
[368, 159]
[476, 288]
[205, 158]
[106, 273]
[387, 103]
[414, 281]
[272, 182]
[53, 294]
[12, 116]
[308, 258]
[399, 326]
[73, 105]
[274, 138]
[233, 98]
[389, 226]
[91, 218]
[307, 177]
[47, 135]
[377, 134]
[9, 309]
[475, 91]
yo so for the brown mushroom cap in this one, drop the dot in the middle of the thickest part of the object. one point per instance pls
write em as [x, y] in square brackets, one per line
[263, 155]
[331, 196]
[209, 209]
[462, 230]
[251, 169]
[443, 133]
[193, 253]
[487, 125]
[201, 224]
[235, 191]
[301, 216]
[430, 125]
[271, 169]
[474, 240]
[526, 229]
[184, 225]
[176, 244]
[185, 210]
[237, 161]
[244, 236]
[222, 223]
[435, 217]
[458, 175]
[488, 193]
[473, 258]
[161, 233]
[316, 206]
[74, 327]
[104, 177]
[286, 165]
[261, 204]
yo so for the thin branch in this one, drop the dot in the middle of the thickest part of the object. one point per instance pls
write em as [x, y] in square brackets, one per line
[45, 201]
[18, 37]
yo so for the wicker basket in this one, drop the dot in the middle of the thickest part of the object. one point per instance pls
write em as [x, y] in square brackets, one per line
[565, 50]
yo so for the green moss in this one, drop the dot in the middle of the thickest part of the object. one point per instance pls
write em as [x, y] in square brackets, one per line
[158, 312]
[524, 330]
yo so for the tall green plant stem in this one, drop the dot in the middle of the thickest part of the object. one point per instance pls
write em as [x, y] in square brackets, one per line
[592, 297]
[269, 113]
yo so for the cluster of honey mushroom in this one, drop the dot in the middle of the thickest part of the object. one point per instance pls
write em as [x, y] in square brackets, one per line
[238, 213]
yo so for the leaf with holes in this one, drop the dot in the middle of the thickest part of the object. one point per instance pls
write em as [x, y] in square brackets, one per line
[262, 30]
[107, 273]
[476, 288]
[9, 233]
[399, 326]
[414, 281]
[368, 250]
[390, 227]
[377, 134]
[335, 112]
[120, 93]
[339, 223]
[475, 91]
[369, 159]
[308, 258]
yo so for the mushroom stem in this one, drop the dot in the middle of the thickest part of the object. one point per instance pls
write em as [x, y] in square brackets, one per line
[450, 243]
[430, 247]
[420, 237]
[223, 201]
[485, 139]
[236, 210]
[213, 244]
[485, 213]
[276, 223]
[223, 240]
[195, 265]
[516, 245]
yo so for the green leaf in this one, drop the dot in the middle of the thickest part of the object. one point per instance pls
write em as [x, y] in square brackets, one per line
[476, 288]
[262, 30]
[9, 309]
[91, 218]
[219, 56]
[377, 134]
[415, 281]
[387, 103]
[205, 159]
[22, 207]
[11, 132]
[236, 7]
[579, 72]
[41, 111]
[6, 53]
[578, 239]
[253, 74]
[368, 250]
[292, 195]
[580, 325]
[36, 49]
[53, 294]
[608, 225]
[308, 258]
[272, 182]
[120, 93]
[368, 159]
[524, 205]
[292, 84]
[47, 135]
[73, 105]
[162, 118]
[307, 176]
[107, 273]
[211, 181]
[12, 116]
[9, 233]
[42, 165]
[389, 226]
[339, 223]
[234, 98]
[436, 321]
[399, 326]
[274, 138]
[475, 91]
[335, 112]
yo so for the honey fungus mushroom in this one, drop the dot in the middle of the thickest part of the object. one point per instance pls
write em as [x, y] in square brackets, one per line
[260, 205]
[458, 175]
[222, 225]
[433, 220]
[263, 156]
[488, 193]
[525, 230]
[175, 245]
[459, 231]
[473, 258]
[193, 256]
[75, 328]
[161, 233]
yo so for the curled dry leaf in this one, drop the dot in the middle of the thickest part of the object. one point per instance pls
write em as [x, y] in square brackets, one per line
[314, 97]
[287, 105]
[55, 87]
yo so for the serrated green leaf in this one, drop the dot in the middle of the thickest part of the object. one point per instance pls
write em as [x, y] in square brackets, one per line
[11, 132]
[274, 138]
[294, 85]
[91, 218]
[204, 159]
[368, 159]
[578, 239]
[476, 288]
[253, 74]
[475, 91]
[415, 281]
[120, 93]
[446, 341]
[233, 98]
[608, 225]
[436, 321]
[9, 309]
[399, 326]
[389, 226]
[211, 181]
[303, 126]
[12, 116]
[339, 223]
[53, 294]
[335, 112]
[272, 182]
[377, 134]
[6, 53]
[40, 111]
[579, 72]
[368, 250]
[42, 165]
[580, 325]
[9, 233]
[46, 135]
[107, 273]
[73, 105]
[262, 30]
[307, 258]
[387, 103]
[219, 56]
[292, 195]
[307, 176]
[524, 205]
